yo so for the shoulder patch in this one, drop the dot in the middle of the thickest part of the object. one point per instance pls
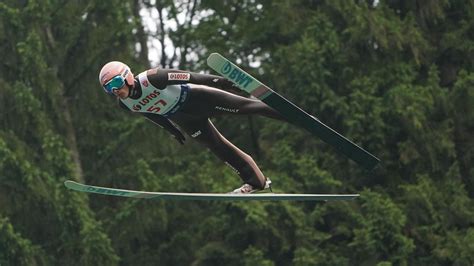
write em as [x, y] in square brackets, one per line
[179, 76]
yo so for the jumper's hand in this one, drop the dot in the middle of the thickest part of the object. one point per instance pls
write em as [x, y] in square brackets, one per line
[179, 136]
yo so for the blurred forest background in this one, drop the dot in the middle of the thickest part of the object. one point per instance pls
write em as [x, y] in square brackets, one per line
[394, 76]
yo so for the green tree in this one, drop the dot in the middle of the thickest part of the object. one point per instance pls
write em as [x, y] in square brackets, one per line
[394, 76]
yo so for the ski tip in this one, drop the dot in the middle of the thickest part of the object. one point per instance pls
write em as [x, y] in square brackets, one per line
[213, 55]
[69, 184]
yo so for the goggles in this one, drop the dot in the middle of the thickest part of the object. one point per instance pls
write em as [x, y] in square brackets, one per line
[116, 83]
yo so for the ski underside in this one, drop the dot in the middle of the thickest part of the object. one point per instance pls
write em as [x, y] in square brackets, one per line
[206, 196]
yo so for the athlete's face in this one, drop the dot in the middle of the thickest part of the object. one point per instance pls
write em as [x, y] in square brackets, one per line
[123, 92]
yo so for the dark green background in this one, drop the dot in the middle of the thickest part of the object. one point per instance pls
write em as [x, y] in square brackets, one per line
[396, 77]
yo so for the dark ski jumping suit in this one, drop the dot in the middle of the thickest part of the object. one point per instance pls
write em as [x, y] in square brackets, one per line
[189, 99]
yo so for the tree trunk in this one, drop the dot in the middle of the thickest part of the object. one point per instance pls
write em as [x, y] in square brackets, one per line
[71, 139]
[141, 35]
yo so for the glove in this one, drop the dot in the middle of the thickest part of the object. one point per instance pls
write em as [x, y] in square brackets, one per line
[179, 136]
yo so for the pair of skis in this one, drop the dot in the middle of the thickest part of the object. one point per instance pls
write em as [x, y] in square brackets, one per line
[287, 109]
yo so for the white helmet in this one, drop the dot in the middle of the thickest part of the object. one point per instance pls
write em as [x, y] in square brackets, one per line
[114, 75]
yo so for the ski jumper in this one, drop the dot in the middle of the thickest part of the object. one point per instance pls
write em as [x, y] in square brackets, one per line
[189, 99]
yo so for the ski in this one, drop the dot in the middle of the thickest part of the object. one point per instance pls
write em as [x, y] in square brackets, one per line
[290, 111]
[206, 196]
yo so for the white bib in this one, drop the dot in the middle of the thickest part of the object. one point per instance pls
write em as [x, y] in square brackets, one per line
[153, 100]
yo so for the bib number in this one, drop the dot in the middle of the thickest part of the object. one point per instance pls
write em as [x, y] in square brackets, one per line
[155, 108]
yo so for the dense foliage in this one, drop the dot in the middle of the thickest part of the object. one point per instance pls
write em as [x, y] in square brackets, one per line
[396, 77]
